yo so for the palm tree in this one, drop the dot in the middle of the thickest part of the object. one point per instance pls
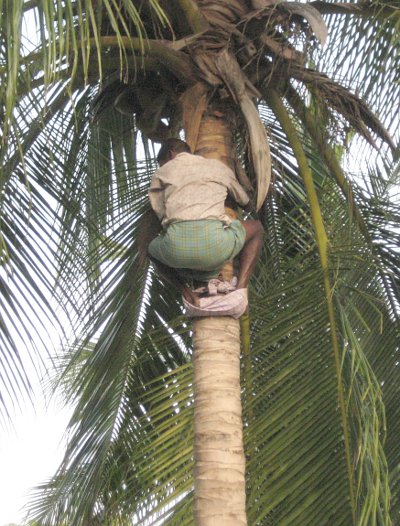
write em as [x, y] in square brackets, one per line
[319, 372]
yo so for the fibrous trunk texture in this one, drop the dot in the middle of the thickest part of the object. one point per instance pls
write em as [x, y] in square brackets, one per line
[219, 476]
[219, 459]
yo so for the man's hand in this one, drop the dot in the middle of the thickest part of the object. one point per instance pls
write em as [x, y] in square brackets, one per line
[251, 205]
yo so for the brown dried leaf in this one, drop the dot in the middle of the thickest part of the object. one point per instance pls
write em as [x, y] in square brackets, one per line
[259, 147]
[351, 107]
[260, 4]
[224, 10]
[312, 15]
[284, 51]
[206, 64]
[234, 80]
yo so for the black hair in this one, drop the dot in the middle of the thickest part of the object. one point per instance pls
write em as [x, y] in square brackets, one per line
[174, 145]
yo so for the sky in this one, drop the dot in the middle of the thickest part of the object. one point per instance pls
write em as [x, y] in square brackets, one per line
[30, 453]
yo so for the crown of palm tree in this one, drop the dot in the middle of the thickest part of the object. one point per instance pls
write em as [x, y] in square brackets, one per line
[82, 104]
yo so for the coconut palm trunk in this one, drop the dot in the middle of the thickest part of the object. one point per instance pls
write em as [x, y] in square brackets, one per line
[219, 473]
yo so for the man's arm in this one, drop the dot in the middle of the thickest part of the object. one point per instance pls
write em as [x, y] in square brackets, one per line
[249, 208]
[149, 228]
[156, 195]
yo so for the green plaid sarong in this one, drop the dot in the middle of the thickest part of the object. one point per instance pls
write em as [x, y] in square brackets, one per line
[198, 249]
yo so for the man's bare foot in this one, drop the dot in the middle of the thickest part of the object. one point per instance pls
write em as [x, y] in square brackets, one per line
[190, 296]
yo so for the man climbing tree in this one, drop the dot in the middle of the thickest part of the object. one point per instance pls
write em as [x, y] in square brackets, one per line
[188, 194]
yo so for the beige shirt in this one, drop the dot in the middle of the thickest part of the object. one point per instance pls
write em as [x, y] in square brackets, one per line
[190, 187]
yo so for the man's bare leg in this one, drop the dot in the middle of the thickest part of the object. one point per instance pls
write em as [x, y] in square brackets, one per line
[174, 279]
[250, 252]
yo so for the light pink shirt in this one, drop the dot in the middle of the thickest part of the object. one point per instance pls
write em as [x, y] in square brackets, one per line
[190, 187]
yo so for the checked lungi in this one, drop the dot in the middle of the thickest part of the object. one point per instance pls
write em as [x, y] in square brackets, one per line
[198, 249]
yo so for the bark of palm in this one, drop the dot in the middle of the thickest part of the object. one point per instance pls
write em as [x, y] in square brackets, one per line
[219, 476]
[219, 459]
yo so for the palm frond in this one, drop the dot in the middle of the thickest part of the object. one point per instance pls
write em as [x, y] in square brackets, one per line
[362, 51]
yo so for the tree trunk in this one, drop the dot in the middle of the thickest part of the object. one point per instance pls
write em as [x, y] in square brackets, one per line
[219, 476]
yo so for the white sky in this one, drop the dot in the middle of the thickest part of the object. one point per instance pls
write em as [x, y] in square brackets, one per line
[29, 454]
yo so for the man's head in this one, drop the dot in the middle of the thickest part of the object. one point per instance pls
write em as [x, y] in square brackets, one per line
[170, 149]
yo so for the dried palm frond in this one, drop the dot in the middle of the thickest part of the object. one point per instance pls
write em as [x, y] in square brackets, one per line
[222, 11]
[339, 98]
[288, 14]
[243, 93]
